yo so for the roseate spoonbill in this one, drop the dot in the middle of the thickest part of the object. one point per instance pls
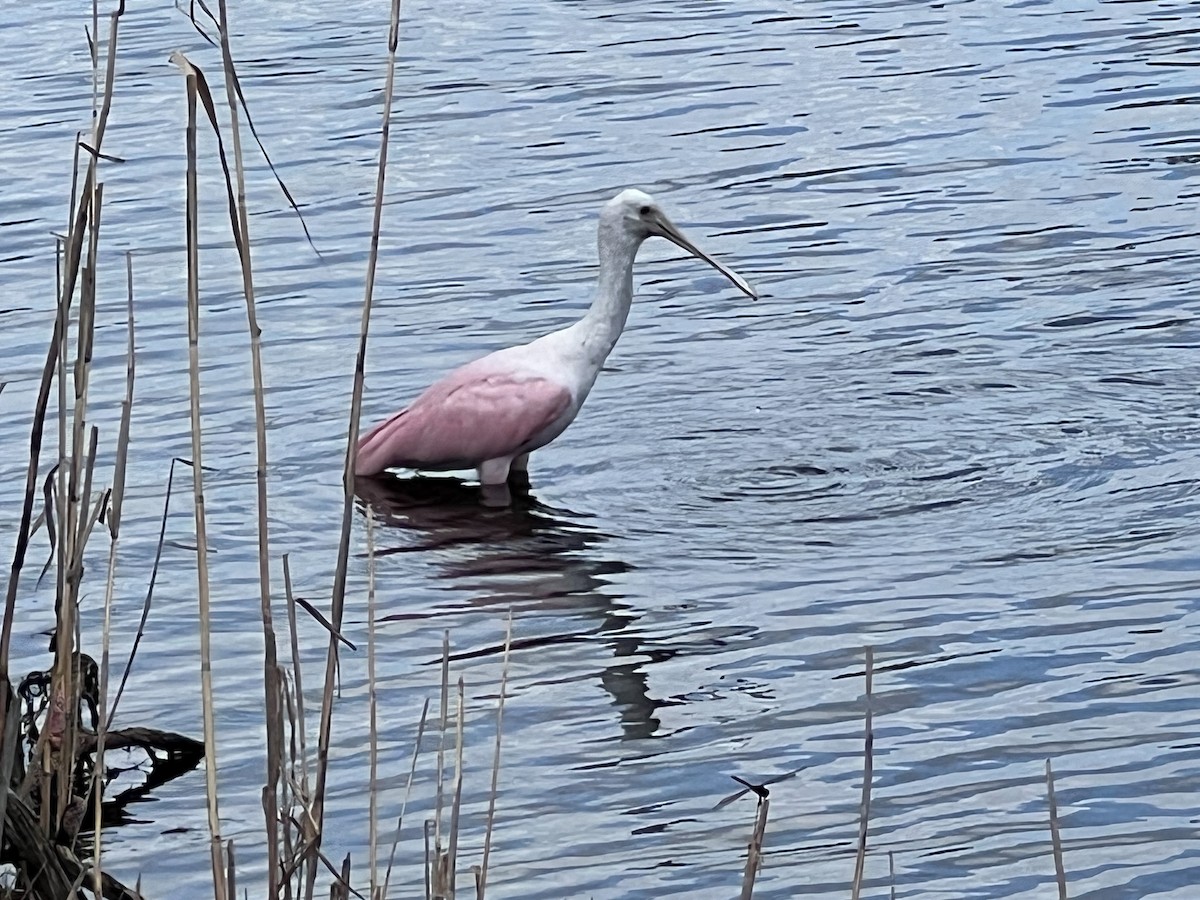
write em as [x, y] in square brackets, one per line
[492, 413]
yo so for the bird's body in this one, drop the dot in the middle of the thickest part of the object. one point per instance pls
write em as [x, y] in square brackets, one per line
[493, 412]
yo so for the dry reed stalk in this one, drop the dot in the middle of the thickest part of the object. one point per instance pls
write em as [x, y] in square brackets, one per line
[754, 848]
[372, 705]
[1060, 873]
[298, 835]
[9, 738]
[67, 474]
[338, 598]
[63, 548]
[71, 514]
[297, 669]
[439, 795]
[80, 468]
[94, 51]
[860, 860]
[61, 497]
[85, 331]
[66, 663]
[456, 805]
[230, 871]
[412, 771]
[317, 617]
[297, 785]
[344, 890]
[236, 84]
[482, 872]
[436, 875]
[114, 532]
[219, 869]
[429, 875]
[241, 232]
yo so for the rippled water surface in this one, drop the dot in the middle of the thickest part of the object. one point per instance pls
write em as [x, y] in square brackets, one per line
[960, 426]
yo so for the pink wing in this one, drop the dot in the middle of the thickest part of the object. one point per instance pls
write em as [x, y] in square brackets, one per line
[469, 416]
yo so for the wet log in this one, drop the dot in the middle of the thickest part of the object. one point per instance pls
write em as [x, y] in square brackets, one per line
[171, 755]
[148, 739]
[51, 870]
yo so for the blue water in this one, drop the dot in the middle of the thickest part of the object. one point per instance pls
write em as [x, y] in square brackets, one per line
[960, 427]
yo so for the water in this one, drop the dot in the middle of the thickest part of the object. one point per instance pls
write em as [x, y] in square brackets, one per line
[960, 427]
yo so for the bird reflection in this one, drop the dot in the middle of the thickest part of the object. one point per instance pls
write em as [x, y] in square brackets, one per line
[524, 554]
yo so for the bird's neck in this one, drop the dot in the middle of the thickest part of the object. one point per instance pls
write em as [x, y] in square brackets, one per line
[605, 320]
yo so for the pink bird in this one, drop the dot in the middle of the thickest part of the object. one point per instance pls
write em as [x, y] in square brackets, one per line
[492, 413]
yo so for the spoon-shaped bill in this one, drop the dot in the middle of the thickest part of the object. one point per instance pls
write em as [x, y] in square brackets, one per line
[667, 229]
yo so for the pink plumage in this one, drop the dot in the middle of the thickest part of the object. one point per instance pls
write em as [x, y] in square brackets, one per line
[492, 413]
[472, 415]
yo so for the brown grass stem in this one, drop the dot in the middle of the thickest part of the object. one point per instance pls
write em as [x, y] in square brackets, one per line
[80, 470]
[412, 772]
[1060, 872]
[481, 877]
[338, 598]
[114, 533]
[429, 868]
[297, 837]
[754, 848]
[241, 230]
[216, 849]
[443, 726]
[230, 871]
[62, 549]
[435, 864]
[372, 711]
[297, 669]
[456, 804]
[864, 819]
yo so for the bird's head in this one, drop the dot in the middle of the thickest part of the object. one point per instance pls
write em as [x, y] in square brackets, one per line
[637, 213]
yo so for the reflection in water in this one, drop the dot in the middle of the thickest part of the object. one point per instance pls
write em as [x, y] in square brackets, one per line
[525, 554]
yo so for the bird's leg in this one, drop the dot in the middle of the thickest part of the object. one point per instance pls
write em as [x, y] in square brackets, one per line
[495, 495]
[519, 481]
[518, 473]
[493, 480]
[494, 471]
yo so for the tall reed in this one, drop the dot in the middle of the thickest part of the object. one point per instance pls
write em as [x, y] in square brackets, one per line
[864, 819]
[216, 847]
[338, 599]
[240, 225]
[1060, 872]
[114, 532]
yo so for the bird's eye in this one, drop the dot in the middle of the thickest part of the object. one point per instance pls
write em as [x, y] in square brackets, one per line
[644, 211]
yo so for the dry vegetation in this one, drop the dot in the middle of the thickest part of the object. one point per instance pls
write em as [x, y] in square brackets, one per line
[55, 807]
